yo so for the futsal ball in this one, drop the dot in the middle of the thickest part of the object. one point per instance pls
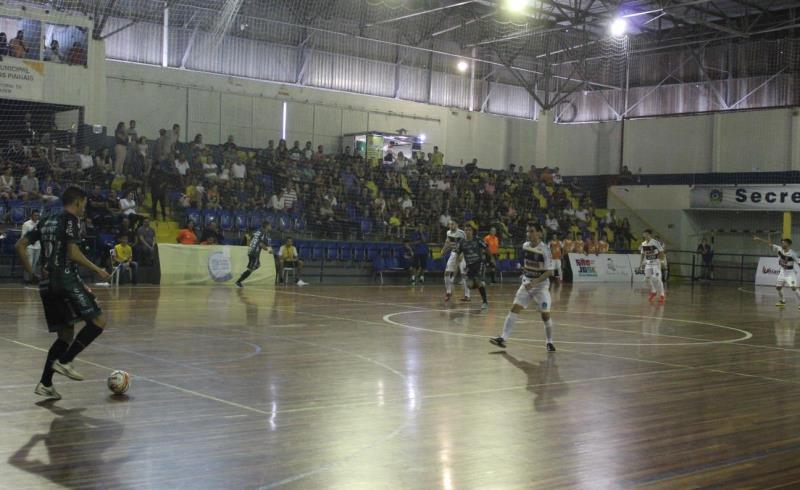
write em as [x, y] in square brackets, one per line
[119, 382]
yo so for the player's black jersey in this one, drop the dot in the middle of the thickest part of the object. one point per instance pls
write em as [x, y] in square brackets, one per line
[474, 250]
[56, 232]
[259, 238]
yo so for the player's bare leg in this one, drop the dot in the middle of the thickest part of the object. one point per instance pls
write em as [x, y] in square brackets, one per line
[63, 365]
[781, 300]
[45, 387]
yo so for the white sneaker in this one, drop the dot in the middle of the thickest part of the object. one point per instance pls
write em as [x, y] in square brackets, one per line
[68, 371]
[301, 283]
[48, 392]
[485, 306]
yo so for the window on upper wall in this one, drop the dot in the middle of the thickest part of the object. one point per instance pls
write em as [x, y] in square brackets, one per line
[20, 38]
[65, 44]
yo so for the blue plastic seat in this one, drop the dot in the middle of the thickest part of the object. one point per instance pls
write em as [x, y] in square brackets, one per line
[194, 216]
[345, 252]
[18, 215]
[240, 220]
[226, 221]
[331, 251]
[210, 217]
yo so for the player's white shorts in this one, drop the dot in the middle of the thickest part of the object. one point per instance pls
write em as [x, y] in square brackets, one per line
[540, 295]
[557, 265]
[787, 278]
[451, 264]
[652, 270]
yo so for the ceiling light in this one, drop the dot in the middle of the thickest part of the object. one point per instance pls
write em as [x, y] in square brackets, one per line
[618, 27]
[462, 66]
[516, 5]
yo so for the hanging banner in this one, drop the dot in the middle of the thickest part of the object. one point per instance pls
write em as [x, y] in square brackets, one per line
[210, 264]
[21, 79]
[746, 197]
[768, 270]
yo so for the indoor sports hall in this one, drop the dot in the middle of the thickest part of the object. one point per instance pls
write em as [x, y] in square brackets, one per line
[482, 244]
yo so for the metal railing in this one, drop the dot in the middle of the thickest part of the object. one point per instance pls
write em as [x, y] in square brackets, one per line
[725, 267]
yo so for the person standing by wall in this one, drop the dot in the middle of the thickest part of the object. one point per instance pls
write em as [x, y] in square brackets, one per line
[33, 249]
[706, 253]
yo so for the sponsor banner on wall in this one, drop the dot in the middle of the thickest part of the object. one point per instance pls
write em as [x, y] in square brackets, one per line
[210, 264]
[374, 147]
[768, 270]
[600, 268]
[743, 197]
[21, 79]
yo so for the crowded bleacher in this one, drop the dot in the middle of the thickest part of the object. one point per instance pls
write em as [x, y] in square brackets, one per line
[305, 191]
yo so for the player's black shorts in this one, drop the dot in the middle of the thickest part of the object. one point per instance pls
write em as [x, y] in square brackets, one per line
[67, 300]
[420, 261]
[474, 271]
[253, 262]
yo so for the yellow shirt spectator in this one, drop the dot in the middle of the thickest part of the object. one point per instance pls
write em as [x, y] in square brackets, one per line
[123, 252]
[288, 254]
[437, 159]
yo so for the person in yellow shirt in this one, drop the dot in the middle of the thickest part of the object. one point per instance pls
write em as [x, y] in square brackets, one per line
[289, 257]
[123, 258]
[437, 159]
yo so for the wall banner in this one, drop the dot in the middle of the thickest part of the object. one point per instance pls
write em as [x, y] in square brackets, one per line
[210, 264]
[768, 270]
[600, 268]
[746, 197]
[21, 79]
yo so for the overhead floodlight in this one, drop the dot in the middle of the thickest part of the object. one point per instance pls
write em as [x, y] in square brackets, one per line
[516, 5]
[618, 27]
[462, 66]
[422, 137]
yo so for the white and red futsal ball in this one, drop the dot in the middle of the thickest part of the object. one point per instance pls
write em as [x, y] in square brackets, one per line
[119, 382]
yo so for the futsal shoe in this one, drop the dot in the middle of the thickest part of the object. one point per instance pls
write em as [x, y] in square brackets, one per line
[485, 306]
[447, 297]
[780, 304]
[662, 299]
[238, 284]
[498, 341]
[652, 296]
[68, 371]
[550, 347]
[49, 392]
[301, 283]
[466, 299]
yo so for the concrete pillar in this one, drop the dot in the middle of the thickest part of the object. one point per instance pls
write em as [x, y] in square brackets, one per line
[794, 140]
[716, 145]
[542, 153]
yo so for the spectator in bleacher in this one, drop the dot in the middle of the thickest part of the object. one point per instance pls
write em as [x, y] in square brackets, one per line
[289, 257]
[124, 228]
[49, 194]
[182, 166]
[145, 247]
[320, 154]
[437, 158]
[238, 170]
[86, 160]
[77, 54]
[128, 208]
[3, 44]
[97, 207]
[8, 188]
[158, 194]
[308, 152]
[120, 148]
[123, 258]
[53, 53]
[290, 197]
[174, 137]
[15, 152]
[557, 179]
[602, 245]
[282, 153]
[90, 240]
[163, 149]
[551, 223]
[17, 47]
[229, 145]
[35, 249]
[212, 233]
[29, 186]
[187, 236]
[133, 135]
[295, 153]
[197, 144]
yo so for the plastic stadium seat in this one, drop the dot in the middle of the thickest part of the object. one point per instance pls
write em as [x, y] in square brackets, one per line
[226, 221]
[366, 226]
[318, 251]
[240, 220]
[331, 251]
[17, 215]
[345, 252]
[194, 216]
[210, 217]
[359, 252]
[304, 251]
[373, 251]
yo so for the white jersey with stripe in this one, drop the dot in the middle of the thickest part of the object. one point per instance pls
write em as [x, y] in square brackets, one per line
[787, 260]
[650, 250]
[454, 238]
[536, 259]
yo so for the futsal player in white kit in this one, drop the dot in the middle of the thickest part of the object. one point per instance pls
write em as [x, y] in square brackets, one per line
[787, 260]
[538, 268]
[455, 236]
[652, 251]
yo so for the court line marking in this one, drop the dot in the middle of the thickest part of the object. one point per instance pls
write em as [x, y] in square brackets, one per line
[747, 335]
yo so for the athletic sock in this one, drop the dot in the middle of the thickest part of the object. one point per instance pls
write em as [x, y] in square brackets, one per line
[482, 290]
[448, 284]
[548, 330]
[508, 325]
[58, 348]
[245, 275]
[85, 337]
[467, 292]
[780, 295]
[660, 287]
[797, 293]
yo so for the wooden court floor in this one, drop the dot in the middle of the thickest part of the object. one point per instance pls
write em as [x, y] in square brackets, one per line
[367, 387]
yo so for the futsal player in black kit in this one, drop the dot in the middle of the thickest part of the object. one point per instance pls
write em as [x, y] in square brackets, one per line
[259, 241]
[65, 297]
[474, 252]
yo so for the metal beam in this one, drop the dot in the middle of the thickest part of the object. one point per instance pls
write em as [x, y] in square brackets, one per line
[118, 30]
[189, 46]
[463, 24]
[709, 81]
[417, 14]
[747, 96]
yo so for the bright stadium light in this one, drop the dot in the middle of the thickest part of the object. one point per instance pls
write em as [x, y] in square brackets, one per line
[618, 27]
[462, 66]
[516, 5]
[422, 137]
